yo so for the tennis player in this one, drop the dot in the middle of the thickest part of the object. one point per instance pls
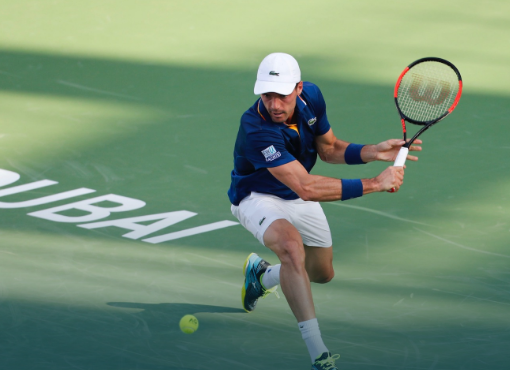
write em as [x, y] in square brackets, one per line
[275, 197]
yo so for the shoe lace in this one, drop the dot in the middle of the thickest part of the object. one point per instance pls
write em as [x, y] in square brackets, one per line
[328, 363]
[266, 292]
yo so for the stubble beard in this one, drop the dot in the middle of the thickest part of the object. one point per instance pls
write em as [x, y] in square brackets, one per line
[279, 118]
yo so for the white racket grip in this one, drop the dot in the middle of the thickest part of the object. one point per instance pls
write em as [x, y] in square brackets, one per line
[401, 157]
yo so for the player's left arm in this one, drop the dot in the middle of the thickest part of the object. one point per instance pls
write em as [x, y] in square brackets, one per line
[387, 151]
[332, 150]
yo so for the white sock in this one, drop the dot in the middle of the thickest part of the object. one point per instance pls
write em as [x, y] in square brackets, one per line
[312, 336]
[271, 277]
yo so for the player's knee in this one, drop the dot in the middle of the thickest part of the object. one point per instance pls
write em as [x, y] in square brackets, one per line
[324, 277]
[292, 253]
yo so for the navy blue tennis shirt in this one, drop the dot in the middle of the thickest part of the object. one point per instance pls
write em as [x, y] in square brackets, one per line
[262, 144]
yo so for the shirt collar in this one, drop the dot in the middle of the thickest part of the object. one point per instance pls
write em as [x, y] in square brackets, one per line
[300, 103]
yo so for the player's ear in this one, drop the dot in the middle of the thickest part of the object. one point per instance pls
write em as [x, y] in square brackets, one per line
[299, 87]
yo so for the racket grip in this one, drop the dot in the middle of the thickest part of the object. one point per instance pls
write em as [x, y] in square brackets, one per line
[401, 157]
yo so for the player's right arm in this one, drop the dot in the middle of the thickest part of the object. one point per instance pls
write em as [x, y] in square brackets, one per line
[323, 189]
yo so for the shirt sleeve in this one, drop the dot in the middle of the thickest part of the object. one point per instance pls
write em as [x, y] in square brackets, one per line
[266, 149]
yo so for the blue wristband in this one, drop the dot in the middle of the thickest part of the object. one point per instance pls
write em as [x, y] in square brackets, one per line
[351, 189]
[352, 154]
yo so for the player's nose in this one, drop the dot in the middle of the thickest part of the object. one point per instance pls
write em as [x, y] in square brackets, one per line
[276, 103]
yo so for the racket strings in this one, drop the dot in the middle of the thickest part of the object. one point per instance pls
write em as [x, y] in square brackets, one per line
[427, 91]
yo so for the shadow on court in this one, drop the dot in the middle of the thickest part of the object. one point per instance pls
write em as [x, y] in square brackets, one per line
[176, 310]
[130, 336]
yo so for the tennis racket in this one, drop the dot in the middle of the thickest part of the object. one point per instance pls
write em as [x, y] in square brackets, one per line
[426, 92]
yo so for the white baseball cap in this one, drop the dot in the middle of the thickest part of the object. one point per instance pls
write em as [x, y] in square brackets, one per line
[279, 73]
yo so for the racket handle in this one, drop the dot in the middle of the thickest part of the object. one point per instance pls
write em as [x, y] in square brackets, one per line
[401, 157]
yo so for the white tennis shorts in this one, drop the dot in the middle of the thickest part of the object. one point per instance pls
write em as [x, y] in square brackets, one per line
[258, 211]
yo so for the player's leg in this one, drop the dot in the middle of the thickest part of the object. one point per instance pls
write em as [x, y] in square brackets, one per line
[312, 224]
[319, 264]
[285, 241]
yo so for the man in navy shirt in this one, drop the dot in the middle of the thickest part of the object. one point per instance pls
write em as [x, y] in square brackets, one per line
[275, 197]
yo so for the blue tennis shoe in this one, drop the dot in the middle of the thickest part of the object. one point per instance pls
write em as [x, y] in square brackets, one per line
[254, 268]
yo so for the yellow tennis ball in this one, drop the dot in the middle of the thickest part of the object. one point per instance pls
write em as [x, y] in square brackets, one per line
[188, 324]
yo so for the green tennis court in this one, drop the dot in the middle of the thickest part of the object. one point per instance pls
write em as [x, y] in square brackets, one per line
[137, 104]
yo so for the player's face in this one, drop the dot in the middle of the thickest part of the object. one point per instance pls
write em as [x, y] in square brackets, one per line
[281, 107]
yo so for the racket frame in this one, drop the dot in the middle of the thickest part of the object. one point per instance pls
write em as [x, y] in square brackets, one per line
[426, 124]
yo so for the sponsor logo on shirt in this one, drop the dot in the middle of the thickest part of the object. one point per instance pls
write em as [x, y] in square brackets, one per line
[312, 121]
[271, 154]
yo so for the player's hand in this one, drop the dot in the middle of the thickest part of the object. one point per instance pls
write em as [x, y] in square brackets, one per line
[391, 178]
[387, 150]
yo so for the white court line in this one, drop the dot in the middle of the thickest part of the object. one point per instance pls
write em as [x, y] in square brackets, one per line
[463, 246]
[470, 296]
[81, 87]
[380, 213]
[214, 260]
[9, 74]
[14, 254]
[196, 169]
